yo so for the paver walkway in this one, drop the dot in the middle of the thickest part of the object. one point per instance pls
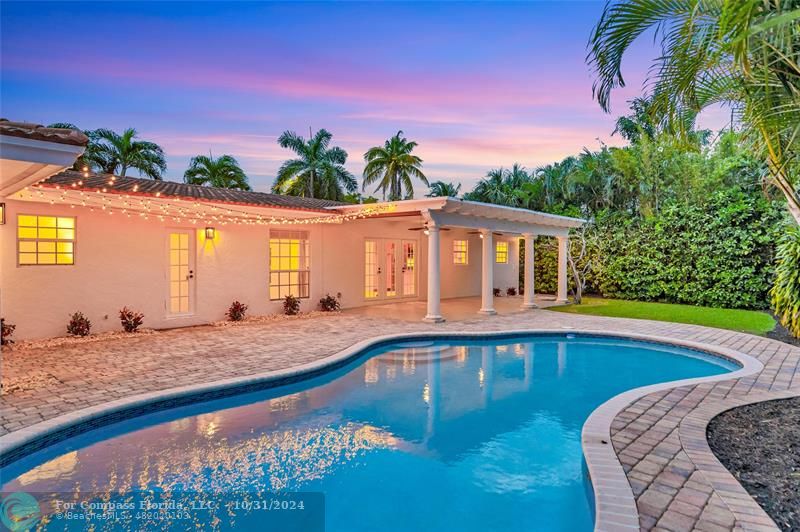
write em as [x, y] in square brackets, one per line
[672, 491]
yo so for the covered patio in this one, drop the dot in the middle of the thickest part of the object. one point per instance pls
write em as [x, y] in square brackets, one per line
[436, 215]
[457, 309]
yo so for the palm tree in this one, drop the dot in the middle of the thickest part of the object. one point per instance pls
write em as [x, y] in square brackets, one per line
[222, 172]
[442, 189]
[739, 53]
[501, 186]
[318, 171]
[116, 153]
[393, 166]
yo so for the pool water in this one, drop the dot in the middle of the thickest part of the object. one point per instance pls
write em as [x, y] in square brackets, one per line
[440, 435]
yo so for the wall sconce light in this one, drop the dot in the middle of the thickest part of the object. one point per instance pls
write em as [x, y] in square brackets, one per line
[2, 213]
[210, 232]
[480, 235]
[426, 232]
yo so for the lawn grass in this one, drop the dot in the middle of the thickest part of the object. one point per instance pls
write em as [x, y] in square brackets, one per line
[750, 321]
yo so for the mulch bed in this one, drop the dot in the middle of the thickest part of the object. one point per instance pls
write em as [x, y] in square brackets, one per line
[760, 446]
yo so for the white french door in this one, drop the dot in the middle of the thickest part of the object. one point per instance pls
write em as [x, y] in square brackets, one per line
[180, 273]
[390, 268]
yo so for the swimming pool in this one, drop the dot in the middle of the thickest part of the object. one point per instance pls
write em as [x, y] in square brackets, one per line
[446, 434]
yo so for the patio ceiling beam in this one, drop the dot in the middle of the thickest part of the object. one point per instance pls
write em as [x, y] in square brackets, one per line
[449, 219]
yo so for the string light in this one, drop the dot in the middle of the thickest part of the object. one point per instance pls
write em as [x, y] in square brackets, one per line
[178, 209]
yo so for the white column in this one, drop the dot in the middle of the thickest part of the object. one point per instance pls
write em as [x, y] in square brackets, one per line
[434, 314]
[487, 274]
[561, 296]
[527, 301]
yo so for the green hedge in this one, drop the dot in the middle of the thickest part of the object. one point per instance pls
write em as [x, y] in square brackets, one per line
[717, 254]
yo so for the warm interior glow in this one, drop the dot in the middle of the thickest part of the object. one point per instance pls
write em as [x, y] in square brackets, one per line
[45, 240]
[501, 253]
[460, 249]
[179, 273]
[289, 264]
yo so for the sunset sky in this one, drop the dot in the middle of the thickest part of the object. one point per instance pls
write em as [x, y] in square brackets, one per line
[477, 85]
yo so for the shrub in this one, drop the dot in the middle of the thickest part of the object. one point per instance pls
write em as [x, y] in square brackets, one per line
[785, 293]
[330, 303]
[79, 325]
[511, 291]
[236, 311]
[291, 305]
[496, 292]
[6, 331]
[131, 321]
[718, 253]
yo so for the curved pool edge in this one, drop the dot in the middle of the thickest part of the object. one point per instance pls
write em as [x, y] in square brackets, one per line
[615, 507]
[692, 432]
[614, 501]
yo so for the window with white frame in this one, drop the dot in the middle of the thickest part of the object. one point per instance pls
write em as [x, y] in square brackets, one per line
[501, 253]
[45, 240]
[289, 264]
[460, 252]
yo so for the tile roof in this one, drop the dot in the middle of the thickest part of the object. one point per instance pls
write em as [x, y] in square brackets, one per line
[38, 132]
[149, 187]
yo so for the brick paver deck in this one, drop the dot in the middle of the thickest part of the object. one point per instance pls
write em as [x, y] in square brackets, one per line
[669, 471]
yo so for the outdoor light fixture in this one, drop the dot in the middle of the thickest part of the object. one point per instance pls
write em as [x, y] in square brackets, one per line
[2, 213]
[210, 232]
[426, 232]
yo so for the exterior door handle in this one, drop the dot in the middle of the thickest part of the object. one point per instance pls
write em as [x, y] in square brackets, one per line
[191, 275]
[379, 270]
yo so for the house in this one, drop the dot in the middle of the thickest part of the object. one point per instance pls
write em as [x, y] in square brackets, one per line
[78, 241]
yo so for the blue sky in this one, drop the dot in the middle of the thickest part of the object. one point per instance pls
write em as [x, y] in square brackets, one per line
[477, 85]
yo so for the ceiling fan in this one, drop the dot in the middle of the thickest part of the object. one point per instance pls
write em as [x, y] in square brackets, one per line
[478, 232]
[423, 228]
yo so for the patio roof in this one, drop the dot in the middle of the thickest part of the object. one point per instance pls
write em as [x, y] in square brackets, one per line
[455, 212]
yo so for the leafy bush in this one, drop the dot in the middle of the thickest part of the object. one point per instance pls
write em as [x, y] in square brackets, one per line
[291, 305]
[785, 293]
[511, 291]
[496, 292]
[718, 253]
[330, 303]
[236, 311]
[6, 331]
[131, 321]
[79, 325]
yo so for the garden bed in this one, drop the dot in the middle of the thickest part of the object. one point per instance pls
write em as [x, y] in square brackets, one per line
[760, 446]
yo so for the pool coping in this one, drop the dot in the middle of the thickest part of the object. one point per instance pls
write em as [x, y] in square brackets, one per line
[615, 505]
[692, 431]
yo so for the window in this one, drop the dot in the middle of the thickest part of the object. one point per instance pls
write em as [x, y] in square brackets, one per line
[289, 268]
[501, 253]
[45, 240]
[460, 255]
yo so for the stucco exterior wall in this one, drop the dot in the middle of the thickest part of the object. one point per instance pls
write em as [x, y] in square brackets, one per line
[122, 261]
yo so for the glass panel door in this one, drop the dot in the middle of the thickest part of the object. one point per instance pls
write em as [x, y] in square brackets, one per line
[371, 269]
[181, 273]
[390, 267]
[409, 268]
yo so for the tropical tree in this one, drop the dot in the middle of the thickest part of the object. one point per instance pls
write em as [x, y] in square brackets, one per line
[501, 186]
[393, 167]
[222, 172]
[442, 189]
[115, 154]
[740, 53]
[317, 172]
